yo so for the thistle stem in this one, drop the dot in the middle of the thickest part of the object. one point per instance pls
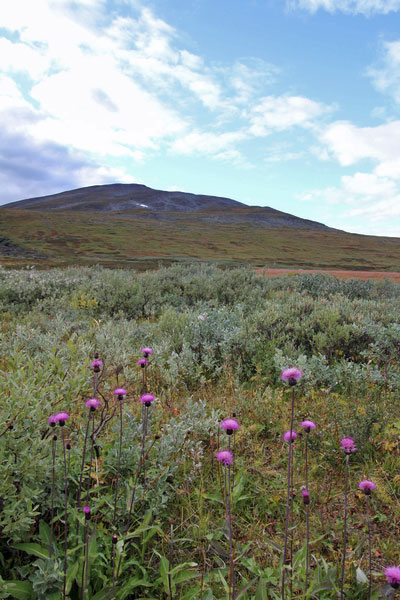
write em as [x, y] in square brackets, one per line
[307, 520]
[78, 501]
[91, 457]
[119, 460]
[344, 526]
[288, 496]
[65, 514]
[369, 550]
[86, 563]
[53, 476]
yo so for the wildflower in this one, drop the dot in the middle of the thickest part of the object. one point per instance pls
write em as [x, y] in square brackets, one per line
[308, 425]
[86, 510]
[52, 421]
[306, 496]
[114, 539]
[147, 399]
[230, 425]
[225, 456]
[61, 417]
[367, 486]
[393, 575]
[92, 403]
[348, 445]
[142, 362]
[120, 392]
[146, 351]
[287, 437]
[291, 375]
[96, 365]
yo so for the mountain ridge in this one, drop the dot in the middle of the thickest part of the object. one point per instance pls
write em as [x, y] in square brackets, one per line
[140, 201]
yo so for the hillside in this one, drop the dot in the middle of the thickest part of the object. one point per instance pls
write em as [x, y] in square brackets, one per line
[90, 226]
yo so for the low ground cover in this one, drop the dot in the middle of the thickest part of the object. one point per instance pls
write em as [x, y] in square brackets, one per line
[220, 339]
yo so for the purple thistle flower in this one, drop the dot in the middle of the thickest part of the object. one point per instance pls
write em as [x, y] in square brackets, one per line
[393, 575]
[92, 403]
[120, 392]
[225, 456]
[142, 362]
[306, 496]
[367, 486]
[146, 351]
[230, 425]
[308, 425]
[61, 417]
[86, 510]
[348, 445]
[288, 438]
[147, 399]
[96, 365]
[291, 375]
[52, 420]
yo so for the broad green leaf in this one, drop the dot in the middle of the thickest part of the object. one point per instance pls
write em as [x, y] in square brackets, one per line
[34, 549]
[71, 574]
[21, 590]
[44, 532]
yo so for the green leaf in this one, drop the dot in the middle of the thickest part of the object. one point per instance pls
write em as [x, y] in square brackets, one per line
[361, 576]
[44, 532]
[21, 590]
[71, 574]
[34, 549]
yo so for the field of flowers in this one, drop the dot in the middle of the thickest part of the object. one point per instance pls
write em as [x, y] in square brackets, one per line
[118, 481]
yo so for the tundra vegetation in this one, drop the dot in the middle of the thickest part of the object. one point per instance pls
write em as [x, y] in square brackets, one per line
[132, 496]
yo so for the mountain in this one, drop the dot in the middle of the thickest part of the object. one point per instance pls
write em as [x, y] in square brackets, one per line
[130, 225]
[140, 201]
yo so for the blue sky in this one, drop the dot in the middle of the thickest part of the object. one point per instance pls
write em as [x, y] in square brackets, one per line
[292, 104]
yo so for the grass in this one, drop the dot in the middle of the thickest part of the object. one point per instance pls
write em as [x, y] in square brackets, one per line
[48, 239]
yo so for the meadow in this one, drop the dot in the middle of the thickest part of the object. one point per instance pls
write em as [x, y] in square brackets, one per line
[148, 509]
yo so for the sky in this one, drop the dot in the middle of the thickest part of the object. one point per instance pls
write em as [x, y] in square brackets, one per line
[292, 104]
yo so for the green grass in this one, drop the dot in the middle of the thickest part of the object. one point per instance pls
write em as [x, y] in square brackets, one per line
[56, 239]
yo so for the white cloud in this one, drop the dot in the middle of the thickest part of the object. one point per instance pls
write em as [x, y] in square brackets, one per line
[365, 7]
[349, 144]
[385, 74]
[283, 112]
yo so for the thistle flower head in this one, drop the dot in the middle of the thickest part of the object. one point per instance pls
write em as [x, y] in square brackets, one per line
[289, 438]
[393, 576]
[367, 486]
[142, 362]
[225, 456]
[230, 425]
[92, 403]
[146, 351]
[306, 496]
[52, 420]
[86, 510]
[61, 417]
[120, 392]
[308, 425]
[96, 365]
[348, 445]
[147, 399]
[291, 375]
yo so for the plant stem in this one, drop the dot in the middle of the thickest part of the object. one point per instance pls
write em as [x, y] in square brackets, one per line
[171, 541]
[369, 550]
[86, 563]
[53, 476]
[65, 514]
[307, 520]
[113, 569]
[119, 459]
[91, 456]
[78, 502]
[344, 526]
[288, 495]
